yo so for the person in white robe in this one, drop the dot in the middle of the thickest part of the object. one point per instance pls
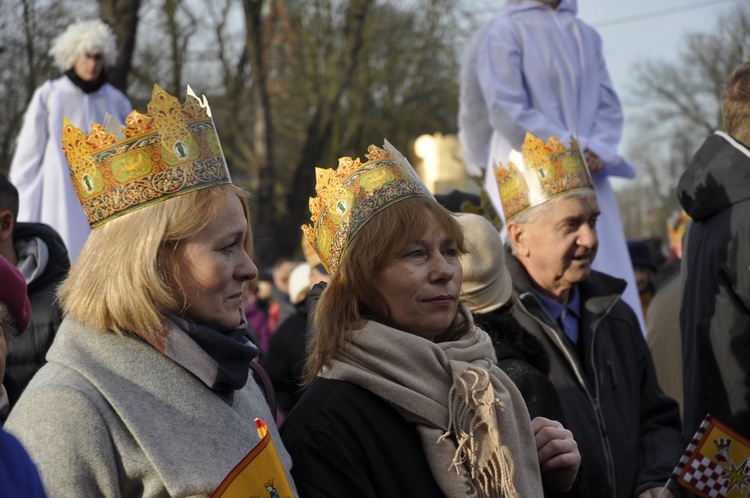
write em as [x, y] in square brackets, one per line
[38, 168]
[538, 68]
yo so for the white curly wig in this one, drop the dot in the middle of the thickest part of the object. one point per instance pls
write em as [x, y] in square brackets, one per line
[84, 37]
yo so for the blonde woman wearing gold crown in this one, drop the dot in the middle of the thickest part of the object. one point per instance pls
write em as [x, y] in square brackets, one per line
[147, 391]
[404, 396]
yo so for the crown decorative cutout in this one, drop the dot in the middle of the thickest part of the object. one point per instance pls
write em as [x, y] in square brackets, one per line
[172, 150]
[351, 195]
[540, 172]
[308, 251]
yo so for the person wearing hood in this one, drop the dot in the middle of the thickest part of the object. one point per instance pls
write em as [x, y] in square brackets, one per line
[714, 316]
[15, 312]
[40, 255]
[18, 474]
[83, 95]
[538, 68]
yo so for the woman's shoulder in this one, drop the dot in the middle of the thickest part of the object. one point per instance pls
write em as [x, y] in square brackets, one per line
[55, 396]
[340, 434]
[338, 407]
[328, 397]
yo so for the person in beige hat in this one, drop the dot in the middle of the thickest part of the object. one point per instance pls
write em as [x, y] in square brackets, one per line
[488, 292]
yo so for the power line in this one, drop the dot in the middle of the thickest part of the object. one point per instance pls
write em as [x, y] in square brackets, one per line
[658, 13]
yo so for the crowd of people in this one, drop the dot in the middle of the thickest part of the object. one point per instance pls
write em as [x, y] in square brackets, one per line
[411, 348]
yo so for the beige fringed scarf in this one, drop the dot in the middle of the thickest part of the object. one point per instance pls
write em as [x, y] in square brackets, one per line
[471, 418]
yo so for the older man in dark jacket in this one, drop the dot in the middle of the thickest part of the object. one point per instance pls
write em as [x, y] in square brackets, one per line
[40, 255]
[600, 363]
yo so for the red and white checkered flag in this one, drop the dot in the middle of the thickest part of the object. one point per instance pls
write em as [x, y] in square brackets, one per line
[716, 463]
[707, 477]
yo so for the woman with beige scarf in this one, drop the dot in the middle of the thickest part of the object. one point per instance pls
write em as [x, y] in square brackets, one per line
[404, 396]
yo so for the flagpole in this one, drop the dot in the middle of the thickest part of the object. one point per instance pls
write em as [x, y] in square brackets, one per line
[664, 489]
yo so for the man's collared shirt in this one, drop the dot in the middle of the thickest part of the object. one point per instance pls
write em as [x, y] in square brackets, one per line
[566, 315]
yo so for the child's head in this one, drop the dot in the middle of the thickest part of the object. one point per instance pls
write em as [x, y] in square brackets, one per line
[735, 104]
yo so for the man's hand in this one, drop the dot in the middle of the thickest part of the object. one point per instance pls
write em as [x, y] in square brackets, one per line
[656, 493]
[557, 452]
[593, 161]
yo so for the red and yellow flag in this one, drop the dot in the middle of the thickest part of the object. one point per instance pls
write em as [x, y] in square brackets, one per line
[716, 463]
[259, 474]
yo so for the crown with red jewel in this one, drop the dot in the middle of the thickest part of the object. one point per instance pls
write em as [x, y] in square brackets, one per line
[540, 172]
[171, 150]
[351, 195]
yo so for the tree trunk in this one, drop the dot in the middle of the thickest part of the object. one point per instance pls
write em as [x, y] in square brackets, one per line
[261, 139]
[320, 126]
[122, 15]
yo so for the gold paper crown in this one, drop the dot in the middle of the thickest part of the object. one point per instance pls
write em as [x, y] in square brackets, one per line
[676, 227]
[170, 151]
[351, 195]
[540, 172]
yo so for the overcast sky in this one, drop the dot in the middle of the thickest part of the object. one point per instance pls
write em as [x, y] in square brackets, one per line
[636, 30]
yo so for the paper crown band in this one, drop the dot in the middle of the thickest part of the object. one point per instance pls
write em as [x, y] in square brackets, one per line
[348, 197]
[539, 173]
[172, 150]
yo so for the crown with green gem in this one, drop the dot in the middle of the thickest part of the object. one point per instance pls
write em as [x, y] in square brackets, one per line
[539, 173]
[348, 197]
[171, 150]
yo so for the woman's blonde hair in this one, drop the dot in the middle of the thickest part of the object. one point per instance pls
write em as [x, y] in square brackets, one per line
[126, 276]
[350, 298]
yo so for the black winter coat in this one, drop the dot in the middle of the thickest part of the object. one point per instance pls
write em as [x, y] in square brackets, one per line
[285, 358]
[715, 312]
[524, 360]
[608, 389]
[29, 349]
[347, 442]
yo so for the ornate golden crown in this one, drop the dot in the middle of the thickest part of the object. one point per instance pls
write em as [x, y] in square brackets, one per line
[351, 195]
[540, 172]
[170, 151]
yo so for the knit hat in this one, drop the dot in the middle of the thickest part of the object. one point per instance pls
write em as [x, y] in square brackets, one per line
[487, 285]
[13, 295]
[299, 281]
[640, 254]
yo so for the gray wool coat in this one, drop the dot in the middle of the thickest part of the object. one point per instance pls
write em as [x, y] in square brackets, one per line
[110, 416]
